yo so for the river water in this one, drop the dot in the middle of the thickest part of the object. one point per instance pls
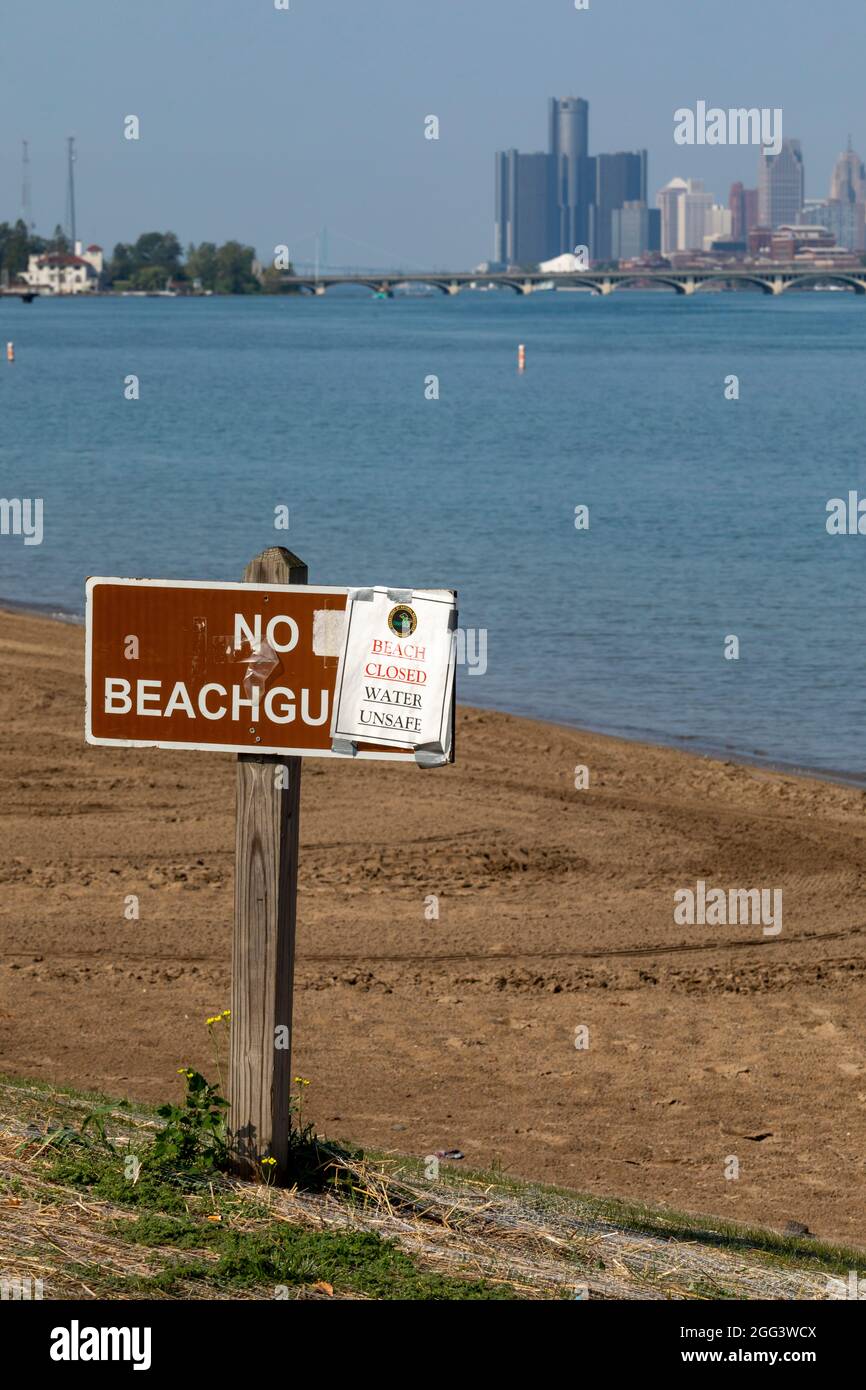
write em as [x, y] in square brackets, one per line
[707, 516]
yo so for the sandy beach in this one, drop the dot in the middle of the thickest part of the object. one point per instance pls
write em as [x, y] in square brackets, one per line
[556, 912]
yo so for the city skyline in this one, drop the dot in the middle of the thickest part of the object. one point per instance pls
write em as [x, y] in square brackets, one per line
[569, 210]
[566, 201]
[549, 203]
[314, 118]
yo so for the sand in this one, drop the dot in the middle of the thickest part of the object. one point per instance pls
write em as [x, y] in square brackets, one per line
[555, 913]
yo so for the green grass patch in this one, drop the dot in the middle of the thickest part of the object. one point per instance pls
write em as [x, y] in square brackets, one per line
[290, 1256]
[105, 1176]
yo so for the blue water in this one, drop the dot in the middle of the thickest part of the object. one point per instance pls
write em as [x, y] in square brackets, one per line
[707, 517]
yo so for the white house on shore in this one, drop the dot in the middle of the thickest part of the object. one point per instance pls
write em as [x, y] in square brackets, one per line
[61, 272]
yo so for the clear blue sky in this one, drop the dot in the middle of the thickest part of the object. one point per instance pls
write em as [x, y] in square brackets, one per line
[268, 125]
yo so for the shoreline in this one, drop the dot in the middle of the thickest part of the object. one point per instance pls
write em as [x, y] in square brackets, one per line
[643, 738]
[554, 910]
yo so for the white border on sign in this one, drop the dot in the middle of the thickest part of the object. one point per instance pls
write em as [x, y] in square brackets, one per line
[254, 749]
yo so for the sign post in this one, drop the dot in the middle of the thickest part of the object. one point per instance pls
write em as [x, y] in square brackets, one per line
[273, 669]
[263, 945]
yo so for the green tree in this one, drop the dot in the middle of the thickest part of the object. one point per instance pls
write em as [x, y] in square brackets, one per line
[156, 257]
[121, 266]
[17, 245]
[58, 244]
[157, 249]
[159, 252]
[234, 269]
[273, 280]
[150, 277]
[201, 264]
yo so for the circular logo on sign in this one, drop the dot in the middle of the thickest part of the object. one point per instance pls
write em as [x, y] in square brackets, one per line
[402, 620]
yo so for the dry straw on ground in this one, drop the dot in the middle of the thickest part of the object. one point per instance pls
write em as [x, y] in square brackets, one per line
[542, 1243]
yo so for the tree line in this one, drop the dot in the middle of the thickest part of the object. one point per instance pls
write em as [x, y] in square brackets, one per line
[153, 262]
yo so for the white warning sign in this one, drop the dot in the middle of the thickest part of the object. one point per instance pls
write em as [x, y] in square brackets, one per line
[395, 680]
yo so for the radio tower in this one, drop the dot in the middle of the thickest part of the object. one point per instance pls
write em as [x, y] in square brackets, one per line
[26, 207]
[70, 192]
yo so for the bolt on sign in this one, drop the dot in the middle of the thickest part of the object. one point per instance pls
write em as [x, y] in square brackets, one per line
[297, 670]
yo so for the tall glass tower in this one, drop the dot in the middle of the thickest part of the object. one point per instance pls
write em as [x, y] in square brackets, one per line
[848, 183]
[781, 186]
[522, 188]
[572, 173]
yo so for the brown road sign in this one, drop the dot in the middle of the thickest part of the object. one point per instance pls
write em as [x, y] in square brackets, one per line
[238, 668]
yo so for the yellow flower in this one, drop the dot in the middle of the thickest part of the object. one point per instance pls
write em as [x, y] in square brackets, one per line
[226, 1013]
[269, 1160]
[301, 1081]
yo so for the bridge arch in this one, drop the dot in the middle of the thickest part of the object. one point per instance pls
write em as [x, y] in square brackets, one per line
[325, 283]
[850, 279]
[510, 284]
[443, 286]
[680, 283]
[741, 277]
[407, 282]
[591, 283]
[677, 285]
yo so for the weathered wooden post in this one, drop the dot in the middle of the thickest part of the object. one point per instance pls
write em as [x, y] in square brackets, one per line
[263, 947]
[341, 694]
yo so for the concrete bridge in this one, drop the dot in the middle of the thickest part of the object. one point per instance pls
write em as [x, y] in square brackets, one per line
[770, 279]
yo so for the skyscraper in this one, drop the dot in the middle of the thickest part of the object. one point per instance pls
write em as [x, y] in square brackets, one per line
[690, 216]
[743, 203]
[717, 226]
[620, 178]
[694, 208]
[846, 220]
[668, 203]
[781, 185]
[522, 208]
[844, 213]
[848, 183]
[572, 173]
[635, 230]
[549, 204]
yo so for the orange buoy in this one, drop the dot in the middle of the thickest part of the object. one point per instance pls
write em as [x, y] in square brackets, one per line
[521, 357]
[10, 352]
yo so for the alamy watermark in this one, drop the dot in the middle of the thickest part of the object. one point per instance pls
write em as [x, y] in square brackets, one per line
[718, 907]
[77, 1343]
[22, 516]
[471, 649]
[736, 126]
[854, 1288]
[15, 1290]
[846, 517]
